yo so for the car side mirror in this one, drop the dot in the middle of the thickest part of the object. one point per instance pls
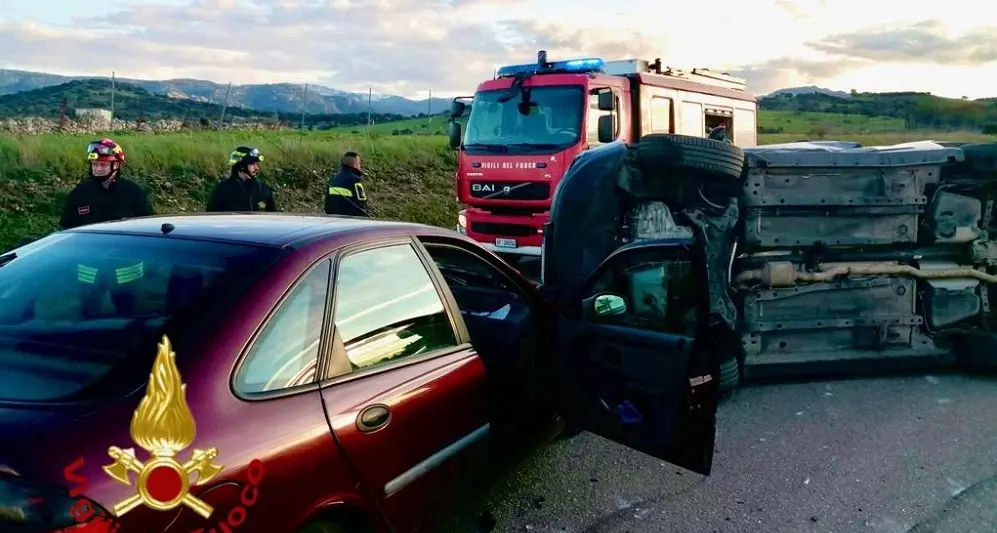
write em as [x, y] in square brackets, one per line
[606, 133]
[454, 134]
[457, 109]
[609, 304]
[607, 102]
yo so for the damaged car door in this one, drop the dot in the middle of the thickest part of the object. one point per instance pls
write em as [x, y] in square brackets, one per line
[637, 361]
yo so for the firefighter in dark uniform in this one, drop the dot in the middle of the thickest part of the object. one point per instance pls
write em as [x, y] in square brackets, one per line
[242, 191]
[346, 195]
[105, 196]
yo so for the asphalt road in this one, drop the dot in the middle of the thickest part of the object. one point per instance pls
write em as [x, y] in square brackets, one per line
[892, 455]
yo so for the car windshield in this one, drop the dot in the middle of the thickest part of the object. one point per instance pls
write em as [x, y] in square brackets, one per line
[80, 309]
[554, 123]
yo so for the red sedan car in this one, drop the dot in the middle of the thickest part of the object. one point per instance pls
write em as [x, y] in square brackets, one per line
[282, 373]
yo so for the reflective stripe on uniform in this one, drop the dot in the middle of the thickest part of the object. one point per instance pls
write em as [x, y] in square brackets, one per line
[87, 274]
[361, 195]
[341, 191]
[130, 273]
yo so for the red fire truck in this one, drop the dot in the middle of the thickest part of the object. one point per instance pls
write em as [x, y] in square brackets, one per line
[526, 126]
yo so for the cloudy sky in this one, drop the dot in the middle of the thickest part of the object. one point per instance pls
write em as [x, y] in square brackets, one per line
[408, 46]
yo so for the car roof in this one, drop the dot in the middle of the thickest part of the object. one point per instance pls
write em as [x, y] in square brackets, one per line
[267, 229]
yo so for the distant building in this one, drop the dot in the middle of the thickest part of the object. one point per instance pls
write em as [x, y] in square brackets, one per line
[94, 113]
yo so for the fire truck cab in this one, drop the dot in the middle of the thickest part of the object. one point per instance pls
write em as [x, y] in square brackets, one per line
[525, 127]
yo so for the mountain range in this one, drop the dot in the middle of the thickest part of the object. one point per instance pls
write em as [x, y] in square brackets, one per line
[39, 94]
[278, 97]
[270, 97]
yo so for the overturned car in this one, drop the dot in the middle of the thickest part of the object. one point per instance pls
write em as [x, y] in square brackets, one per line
[818, 256]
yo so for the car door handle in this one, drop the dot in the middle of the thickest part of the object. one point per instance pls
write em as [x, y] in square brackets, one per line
[373, 417]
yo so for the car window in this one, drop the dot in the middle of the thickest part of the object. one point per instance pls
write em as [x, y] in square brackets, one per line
[387, 307]
[554, 118]
[461, 268]
[661, 290]
[592, 126]
[81, 313]
[286, 353]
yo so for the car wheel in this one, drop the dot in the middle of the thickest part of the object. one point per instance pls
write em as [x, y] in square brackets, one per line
[707, 157]
[980, 158]
[323, 527]
[976, 352]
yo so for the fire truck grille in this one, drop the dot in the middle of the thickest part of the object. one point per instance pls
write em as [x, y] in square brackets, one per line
[517, 190]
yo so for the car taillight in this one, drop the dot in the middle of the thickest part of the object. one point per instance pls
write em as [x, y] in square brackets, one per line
[30, 507]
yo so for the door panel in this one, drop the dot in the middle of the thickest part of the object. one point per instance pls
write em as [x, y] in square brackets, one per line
[623, 375]
[632, 387]
[403, 366]
[412, 464]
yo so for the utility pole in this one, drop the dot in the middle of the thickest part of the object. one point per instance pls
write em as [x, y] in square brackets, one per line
[304, 107]
[113, 87]
[221, 121]
[429, 107]
[63, 118]
[370, 94]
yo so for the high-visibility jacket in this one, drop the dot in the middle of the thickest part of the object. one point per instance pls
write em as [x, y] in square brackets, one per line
[346, 195]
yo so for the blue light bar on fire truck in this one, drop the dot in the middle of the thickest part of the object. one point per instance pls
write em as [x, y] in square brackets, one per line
[570, 66]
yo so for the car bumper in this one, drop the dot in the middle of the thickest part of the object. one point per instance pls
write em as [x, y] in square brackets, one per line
[504, 234]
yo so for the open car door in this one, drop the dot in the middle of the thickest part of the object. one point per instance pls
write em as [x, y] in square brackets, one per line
[638, 356]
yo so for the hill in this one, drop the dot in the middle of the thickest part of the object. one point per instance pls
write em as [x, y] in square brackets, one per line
[271, 97]
[132, 103]
[917, 110]
[425, 125]
[801, 110]
[810, 89]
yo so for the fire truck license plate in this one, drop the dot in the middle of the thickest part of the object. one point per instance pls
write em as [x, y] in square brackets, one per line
[505, 243]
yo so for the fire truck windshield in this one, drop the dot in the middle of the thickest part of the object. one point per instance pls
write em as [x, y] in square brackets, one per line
[553, 124]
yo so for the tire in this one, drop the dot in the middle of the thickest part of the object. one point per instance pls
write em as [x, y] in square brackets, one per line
[716, 159]
[980, 158]
[976, 352]
[324, 527]
[569, 432]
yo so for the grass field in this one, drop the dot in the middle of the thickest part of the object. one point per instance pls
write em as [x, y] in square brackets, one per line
[793, 122]
[410, 176]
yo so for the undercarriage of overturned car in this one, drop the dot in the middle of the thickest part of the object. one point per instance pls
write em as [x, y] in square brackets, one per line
[819, 257]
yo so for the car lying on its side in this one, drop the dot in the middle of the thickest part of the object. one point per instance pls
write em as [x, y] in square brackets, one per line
[819, 256]
[340, 374]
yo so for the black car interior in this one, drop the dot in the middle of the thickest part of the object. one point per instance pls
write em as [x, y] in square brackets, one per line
[501, 322]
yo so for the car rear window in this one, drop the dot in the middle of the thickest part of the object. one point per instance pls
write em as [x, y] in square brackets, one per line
[78, 308]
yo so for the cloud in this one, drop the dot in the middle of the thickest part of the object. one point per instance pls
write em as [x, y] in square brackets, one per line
[923, 42]
[410, 46]
[801, 9]
[560, 41]
[398, 45]
[785, 72]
